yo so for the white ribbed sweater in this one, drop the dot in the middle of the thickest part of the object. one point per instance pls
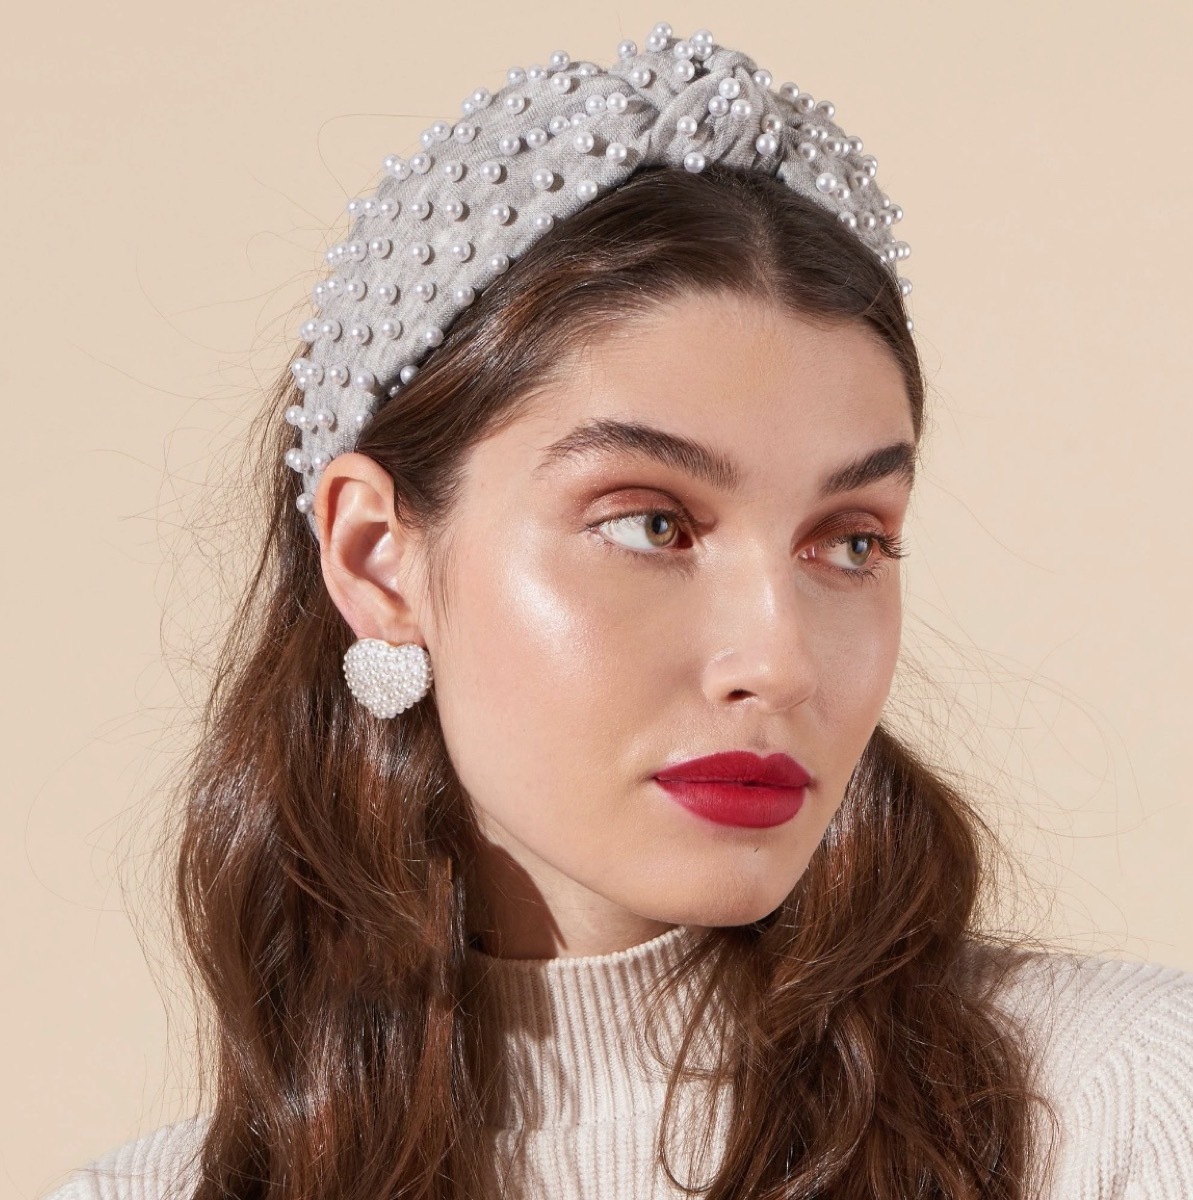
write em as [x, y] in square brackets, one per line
[1113, 1043]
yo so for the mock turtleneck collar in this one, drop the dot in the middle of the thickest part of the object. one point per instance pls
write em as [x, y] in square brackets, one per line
[564, 1032]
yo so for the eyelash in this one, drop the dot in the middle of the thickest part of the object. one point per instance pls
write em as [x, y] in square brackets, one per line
[889, 548]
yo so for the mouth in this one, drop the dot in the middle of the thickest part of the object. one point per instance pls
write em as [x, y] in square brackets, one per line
[745, 805]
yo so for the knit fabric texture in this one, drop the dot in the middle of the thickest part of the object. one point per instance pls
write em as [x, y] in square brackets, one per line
[1112, 1042]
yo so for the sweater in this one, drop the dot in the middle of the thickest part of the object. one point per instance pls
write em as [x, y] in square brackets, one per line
[1112, 1043]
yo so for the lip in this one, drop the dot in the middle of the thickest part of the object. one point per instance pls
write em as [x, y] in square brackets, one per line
[738, 787]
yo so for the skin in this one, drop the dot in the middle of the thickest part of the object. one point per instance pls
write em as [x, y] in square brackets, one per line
[568, 671]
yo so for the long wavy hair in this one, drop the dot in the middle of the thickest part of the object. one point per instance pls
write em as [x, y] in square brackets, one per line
[324, 864]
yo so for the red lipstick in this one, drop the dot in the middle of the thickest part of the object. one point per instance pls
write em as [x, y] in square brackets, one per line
[737, 787]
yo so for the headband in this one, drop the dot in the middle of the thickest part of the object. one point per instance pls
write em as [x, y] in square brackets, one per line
[446, 222]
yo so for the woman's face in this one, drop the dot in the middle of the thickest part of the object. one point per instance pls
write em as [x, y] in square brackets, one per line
[611, 613]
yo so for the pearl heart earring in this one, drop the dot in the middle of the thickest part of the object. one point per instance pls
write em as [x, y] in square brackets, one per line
[385, 678]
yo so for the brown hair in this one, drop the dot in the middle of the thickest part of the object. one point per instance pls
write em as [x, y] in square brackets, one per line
[324, 860]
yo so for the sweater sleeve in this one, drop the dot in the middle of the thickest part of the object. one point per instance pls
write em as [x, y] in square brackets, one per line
[1163, 1166]
[162, 1165]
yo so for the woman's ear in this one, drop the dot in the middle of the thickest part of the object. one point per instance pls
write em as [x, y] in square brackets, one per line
[365, 552]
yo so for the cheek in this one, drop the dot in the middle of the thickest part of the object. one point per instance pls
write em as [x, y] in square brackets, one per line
[526, 670]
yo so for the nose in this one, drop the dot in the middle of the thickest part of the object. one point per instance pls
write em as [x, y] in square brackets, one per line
[767, 641]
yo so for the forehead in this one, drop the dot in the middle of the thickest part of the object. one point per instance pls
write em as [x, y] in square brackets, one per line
[738, 373]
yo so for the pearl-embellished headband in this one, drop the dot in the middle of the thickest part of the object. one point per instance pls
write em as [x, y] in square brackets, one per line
[446, 222]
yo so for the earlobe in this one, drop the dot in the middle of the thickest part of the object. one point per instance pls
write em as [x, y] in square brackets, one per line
[362, 547]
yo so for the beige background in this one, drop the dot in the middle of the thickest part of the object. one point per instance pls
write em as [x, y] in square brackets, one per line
[171, 176]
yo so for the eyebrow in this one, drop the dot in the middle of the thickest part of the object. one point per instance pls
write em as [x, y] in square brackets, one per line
[606, 437]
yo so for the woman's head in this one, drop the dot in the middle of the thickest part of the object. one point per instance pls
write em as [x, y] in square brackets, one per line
[717, 356]
[333, 865]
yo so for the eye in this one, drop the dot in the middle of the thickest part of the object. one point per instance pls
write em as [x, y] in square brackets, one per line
[657, 528]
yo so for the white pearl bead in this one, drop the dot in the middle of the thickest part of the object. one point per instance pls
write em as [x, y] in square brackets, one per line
[433, 336]
[905, 286]
[388, 208]
[543, 179]
[492, 171]
[805, 102]
[559, 124]
[827, 108]
[616, 152]
[693, 161]
[455, 209]
[309, 330]
[544, 223]
[718, 106]
[387, 292]
[663, 29]
[366, 381]
[537, 138]
[763, 78]
[515, 75]
[594, 105]
[420, 210]
[578, 118]
[304, 502]
[806, 151]
[338, 374]
[425, 290]
[360, 419]
[687, 126]
[452, 169]
[560, 59]
[641, 76]
[390, 329]
[729, 88]
[481, 97]
[355, 289]
[320, 459]
[441, 131]
[420, 164]
[684, 70]
[788, 91]
[325, 419]
[562, 84]
[353, 206]
[499, 264]
[408, 372]
[357, 251]
[848, 218]
[682, 49]
[586, 190]
[584, 142]
[360, 334]
[420, 252]
[855, 144]
[656, 42]
[464, 132]
[616, 102]
[826, 181]
[464, 295]
[702, 37]
[501, 213]
[380, 247]
[868, 221]
[294, 413]
[396, 166]
[510, 145]
[766, 144]
[741, 108]
[772, 123]
[467, 108]
[515, 103]
[626, 49]
[461, 251]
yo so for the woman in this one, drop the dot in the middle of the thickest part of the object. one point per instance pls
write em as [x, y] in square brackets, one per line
[546, 838]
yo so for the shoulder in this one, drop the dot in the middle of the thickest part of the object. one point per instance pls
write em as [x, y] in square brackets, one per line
[1112, 1044]
[161, 1165]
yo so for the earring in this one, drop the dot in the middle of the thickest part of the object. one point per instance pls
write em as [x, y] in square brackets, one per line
[385, 678]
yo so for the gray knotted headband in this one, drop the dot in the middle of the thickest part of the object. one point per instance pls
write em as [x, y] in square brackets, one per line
[445, 223]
